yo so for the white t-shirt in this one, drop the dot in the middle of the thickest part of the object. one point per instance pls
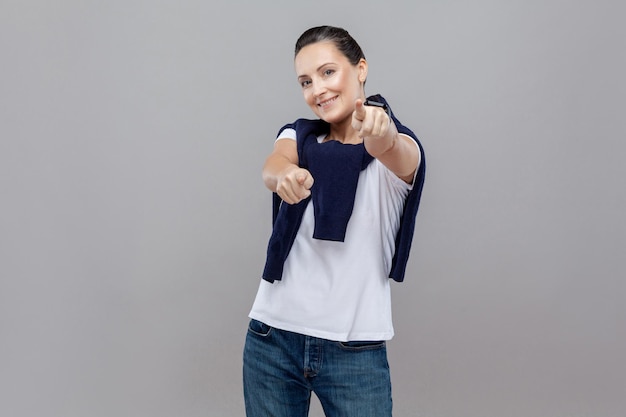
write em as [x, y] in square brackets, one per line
[340, 290]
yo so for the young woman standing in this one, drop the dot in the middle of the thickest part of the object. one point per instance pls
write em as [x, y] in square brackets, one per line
[347, 187]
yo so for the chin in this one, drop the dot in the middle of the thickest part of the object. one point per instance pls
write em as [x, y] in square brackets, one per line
[333, 118]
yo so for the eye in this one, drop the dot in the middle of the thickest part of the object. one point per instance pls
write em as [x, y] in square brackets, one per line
[329, 72]
[305, 83]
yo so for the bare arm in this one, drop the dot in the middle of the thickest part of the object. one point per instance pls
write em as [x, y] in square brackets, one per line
[282, 175]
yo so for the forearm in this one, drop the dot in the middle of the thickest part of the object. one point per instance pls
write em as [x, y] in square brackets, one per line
[274, 168]
[397, 152]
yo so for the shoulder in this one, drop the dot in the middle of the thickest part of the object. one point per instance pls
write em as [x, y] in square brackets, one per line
[287, 133]
[303, 127]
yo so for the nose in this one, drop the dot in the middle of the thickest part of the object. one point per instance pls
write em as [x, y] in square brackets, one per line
[319, 88]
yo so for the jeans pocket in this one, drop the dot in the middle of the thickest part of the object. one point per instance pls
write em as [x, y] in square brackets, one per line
[358, 345]
[259, 328]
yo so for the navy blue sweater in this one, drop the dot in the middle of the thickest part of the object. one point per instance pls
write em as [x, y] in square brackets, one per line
[335, 168]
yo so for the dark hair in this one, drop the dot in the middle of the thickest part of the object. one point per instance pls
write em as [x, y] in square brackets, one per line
[340, 37]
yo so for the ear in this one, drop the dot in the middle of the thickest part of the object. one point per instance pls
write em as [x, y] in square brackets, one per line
[362, 70]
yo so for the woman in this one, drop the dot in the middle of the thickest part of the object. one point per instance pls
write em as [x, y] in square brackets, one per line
[350, 183]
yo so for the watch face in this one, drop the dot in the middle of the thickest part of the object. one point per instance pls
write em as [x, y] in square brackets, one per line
[374, 103]
[378, 104]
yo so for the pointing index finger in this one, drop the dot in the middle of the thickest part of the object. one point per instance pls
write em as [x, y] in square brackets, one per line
[359, 112]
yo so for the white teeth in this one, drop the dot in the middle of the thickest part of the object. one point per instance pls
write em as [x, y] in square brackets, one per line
[324, 103]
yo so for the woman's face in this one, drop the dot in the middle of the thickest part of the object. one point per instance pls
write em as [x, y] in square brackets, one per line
[330, 83]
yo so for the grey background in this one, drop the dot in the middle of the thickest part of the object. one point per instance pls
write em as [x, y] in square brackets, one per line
[133, 219]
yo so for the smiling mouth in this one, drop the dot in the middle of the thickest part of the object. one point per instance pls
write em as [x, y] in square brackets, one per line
[327, 103]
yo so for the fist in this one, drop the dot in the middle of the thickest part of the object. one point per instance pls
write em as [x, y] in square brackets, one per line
[294, 185]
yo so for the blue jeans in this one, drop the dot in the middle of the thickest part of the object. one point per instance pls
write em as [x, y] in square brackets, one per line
[281, 369]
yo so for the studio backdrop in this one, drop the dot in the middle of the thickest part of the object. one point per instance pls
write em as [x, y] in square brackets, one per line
[134, 221]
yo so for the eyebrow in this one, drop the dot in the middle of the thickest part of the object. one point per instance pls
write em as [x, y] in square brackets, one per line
[318, 68]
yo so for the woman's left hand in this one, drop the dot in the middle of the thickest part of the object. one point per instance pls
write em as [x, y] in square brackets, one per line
[370, 121]
[380, 136]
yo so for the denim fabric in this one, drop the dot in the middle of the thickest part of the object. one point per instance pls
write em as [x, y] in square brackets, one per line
[281, 369]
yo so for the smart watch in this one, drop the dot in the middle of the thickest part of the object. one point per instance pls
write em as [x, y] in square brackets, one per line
[378, 104]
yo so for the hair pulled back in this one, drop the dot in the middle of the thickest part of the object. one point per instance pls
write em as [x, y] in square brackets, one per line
[344, 42]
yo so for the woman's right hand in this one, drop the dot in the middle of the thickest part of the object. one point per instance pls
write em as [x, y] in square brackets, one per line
[282, 173]
[294, 184]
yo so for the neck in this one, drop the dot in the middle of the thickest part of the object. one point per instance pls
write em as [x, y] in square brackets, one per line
[344, 132]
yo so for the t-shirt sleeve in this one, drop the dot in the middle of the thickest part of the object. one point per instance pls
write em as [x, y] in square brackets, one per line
[397, 182]
[287, 133]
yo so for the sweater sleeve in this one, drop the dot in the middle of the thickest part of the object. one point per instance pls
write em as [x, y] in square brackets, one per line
[404, 237]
